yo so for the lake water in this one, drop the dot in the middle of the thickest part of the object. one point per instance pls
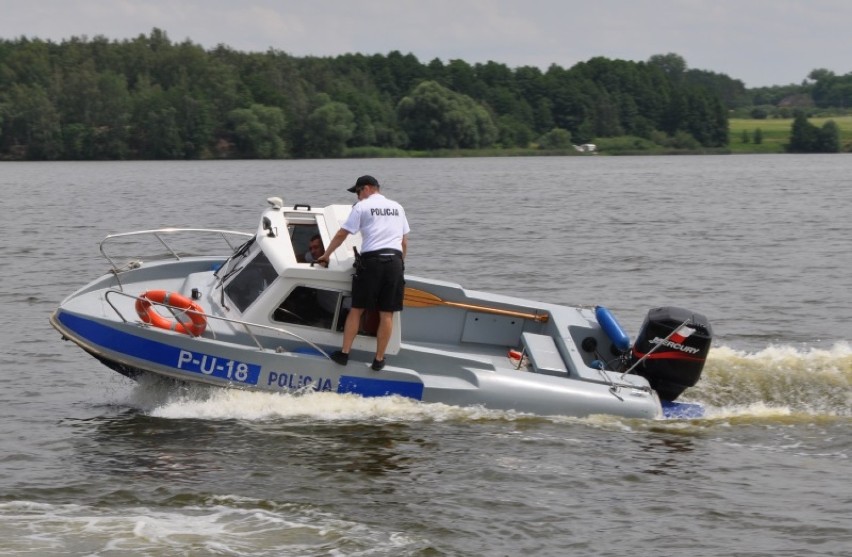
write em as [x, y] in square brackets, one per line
[93, 464]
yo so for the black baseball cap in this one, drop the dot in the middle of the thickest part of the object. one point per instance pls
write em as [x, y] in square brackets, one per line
[365, 180]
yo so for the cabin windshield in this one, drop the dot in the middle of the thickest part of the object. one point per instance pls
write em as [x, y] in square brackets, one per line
[251, 281]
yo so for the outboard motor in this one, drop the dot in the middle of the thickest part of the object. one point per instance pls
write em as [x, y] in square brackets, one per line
[671, 349]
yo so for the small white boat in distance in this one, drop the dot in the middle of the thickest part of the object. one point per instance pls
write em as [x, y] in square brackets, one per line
[245, 310]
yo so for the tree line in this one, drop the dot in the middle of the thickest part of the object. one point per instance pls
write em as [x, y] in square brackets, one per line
[822, 91]
[151, 98]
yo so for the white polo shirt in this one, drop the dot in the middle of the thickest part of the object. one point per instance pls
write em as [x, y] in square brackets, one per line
[380, 221]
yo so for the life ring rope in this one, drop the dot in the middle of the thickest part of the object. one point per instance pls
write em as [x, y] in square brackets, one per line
[190, 318]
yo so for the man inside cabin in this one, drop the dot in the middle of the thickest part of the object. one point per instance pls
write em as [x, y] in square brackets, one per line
[378, 282]
[315, 249]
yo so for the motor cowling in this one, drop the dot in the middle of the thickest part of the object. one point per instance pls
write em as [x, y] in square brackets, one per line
[671, 349]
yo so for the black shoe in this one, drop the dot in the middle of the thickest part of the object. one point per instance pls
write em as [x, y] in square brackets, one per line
[378, 365]
[340, 358]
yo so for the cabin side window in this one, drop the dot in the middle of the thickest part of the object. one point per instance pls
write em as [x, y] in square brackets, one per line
[303, 235]
[251, 281]
[326, 309]
[314, 307]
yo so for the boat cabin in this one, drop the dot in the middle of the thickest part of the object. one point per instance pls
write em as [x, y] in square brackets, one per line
[271, 280]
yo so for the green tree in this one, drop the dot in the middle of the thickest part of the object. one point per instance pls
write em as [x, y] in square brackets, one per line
[556, 138]
[79, 92]
[327, 130]
[460, 77]
[807, 138]
[154, 133]
[111, 113]
[257, 131]
[828, 138]
[830, 90]
[803, 135]
[434, 117]
[29, 63]
[76, 142]
[564, 98]
[673, 65]
[31, 124]
[513, 132]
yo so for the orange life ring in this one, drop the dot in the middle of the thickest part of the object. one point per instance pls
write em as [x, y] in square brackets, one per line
[148, 314]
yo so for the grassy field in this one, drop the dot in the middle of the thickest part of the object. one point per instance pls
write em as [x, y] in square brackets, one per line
[776, 133]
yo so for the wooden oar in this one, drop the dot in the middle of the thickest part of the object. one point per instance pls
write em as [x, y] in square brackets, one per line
[421, 299]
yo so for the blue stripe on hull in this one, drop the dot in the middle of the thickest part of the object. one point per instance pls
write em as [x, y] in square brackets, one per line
[160, 353]
[682, 410]
[214, 366]
[371, 387]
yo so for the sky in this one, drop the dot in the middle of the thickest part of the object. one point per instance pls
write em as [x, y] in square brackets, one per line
[760, 42]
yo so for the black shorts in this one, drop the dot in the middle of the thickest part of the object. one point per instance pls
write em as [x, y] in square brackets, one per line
[379, 284]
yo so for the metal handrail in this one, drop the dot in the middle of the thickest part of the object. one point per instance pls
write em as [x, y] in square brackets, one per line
[245, 324]
[158, 234]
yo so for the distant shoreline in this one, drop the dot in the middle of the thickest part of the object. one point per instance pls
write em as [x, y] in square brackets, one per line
[774, 136]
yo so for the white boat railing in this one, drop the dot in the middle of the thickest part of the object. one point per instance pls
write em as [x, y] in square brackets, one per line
[175, 311]
[160, 235]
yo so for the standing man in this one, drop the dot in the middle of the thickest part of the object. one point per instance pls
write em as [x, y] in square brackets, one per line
[378, 283]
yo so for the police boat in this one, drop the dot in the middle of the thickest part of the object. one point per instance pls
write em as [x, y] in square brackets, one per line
[249, 311]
